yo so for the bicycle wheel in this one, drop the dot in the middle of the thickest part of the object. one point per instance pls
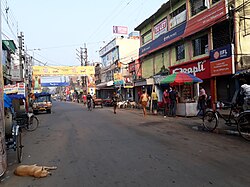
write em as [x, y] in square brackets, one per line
[32, 124]
[19, 147]
[244, 125]
[210, 120]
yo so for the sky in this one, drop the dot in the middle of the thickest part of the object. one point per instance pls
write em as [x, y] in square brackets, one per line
[55, 29]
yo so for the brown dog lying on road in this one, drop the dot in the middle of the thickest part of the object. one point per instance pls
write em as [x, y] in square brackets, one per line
[33, 170]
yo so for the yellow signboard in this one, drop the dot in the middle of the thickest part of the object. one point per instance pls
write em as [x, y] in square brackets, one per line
[63, 70]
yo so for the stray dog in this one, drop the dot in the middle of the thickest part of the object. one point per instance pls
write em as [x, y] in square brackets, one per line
[33, 170]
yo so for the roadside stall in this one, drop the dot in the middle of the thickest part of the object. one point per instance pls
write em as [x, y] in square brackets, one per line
[187, 86]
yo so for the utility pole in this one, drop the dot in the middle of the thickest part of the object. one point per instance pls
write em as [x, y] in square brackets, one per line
[21, 53]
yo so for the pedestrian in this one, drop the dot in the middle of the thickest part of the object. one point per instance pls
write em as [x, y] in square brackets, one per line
[202, 101]
[144, 101]
[173, 102]
[84, 98]
[114, 101]
[154, 101]
[166, 101]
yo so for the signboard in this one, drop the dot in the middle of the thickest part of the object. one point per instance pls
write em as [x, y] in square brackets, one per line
[206, 18]
[118, 79]
[18, 88]
[16, 73]
[222, 61]
[199, 22]
[160, 28]
[55, 81]
[163, 40]
[63, 70]
[199, 68]
[120, 30]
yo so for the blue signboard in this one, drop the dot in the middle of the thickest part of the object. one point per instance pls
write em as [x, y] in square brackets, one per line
[164, 38]
[52, 84]
[221, 53]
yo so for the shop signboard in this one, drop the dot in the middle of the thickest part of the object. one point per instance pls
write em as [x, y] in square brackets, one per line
[160, 28]
[51, 81]
[205, 19]
[18, 88]
[222, 61]
[199, 68]
[199, 22]
[163, 40]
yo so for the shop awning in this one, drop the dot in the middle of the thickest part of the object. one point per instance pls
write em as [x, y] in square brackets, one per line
[9, 45]
[244, 72]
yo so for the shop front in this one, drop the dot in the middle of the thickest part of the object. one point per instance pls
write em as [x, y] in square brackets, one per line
[188, 93]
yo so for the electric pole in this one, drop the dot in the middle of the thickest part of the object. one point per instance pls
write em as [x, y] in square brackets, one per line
[21, 53]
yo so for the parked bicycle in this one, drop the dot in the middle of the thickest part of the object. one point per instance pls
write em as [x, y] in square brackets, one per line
[13, 135]
[28, 121]
[235, 117]
[244, 124]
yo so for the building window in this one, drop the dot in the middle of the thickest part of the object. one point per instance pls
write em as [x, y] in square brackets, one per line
[198, 6]
[200, 45]
[147, 37]
[178, 16]
[180, 52]
[215, 1]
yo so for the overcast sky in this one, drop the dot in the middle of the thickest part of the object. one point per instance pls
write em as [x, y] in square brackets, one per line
[59, 27]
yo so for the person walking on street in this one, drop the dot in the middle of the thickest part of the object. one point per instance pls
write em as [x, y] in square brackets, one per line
[173, 102]
[154, 101]
[166, 101]
[202, 101]
[144, 102]
[114, 101]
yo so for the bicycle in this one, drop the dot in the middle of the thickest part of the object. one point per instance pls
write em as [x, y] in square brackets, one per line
[210, 118]
[13, 137]
[28, 121]
[244, 124]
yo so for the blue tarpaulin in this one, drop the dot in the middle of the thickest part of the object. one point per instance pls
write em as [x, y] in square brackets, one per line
[7, 101]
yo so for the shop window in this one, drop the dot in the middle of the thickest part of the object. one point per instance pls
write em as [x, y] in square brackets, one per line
[180, 52]
[178, 16]
[215, 1]
[200, 45]
[198, 6]
[147, 37]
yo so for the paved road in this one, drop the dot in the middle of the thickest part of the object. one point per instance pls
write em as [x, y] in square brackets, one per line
[99, 148]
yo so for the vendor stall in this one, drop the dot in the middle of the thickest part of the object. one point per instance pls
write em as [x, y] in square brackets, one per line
[187, 87]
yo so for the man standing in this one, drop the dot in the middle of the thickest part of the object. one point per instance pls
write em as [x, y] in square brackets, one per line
[154, 101]
[165, 99]
[173, 101]
[114, 101]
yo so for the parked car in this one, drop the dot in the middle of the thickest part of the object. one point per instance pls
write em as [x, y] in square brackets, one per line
[42, 102]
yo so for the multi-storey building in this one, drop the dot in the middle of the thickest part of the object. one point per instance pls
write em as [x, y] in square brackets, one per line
[208, 38]
[114, 74]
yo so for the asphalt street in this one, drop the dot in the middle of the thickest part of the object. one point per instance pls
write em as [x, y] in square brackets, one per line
[100, 148]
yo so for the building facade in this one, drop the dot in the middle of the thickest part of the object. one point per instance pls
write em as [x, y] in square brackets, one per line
[115, 59]
[207, 38]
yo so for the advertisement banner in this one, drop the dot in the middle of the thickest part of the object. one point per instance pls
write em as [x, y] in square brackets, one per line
[160, 28]
[199, 68]
[120, 30]
[18, 88]
[118, 79]
[63, 70]
[221, 61]
[52, 81]
[199, 22]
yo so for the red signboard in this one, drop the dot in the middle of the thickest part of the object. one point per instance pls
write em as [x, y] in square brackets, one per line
[222, 67]
[199, 68]
[209, 17]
